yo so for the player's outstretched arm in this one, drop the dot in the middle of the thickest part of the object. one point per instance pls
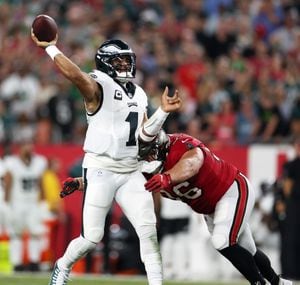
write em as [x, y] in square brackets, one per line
[152, 126]
[86, 85]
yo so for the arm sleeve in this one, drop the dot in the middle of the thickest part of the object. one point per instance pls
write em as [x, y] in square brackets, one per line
[152, 126]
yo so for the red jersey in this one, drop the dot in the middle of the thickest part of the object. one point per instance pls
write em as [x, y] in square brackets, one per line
[202, 191]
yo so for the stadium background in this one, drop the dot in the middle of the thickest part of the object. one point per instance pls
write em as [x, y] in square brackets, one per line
[236, 63]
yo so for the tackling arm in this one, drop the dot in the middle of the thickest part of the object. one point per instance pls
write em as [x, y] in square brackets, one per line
[185, 168]
[188, 166]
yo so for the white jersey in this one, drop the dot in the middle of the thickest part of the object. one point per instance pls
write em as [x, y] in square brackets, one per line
[111, 138]
[4, 212]
[25, 184]
[2, 173]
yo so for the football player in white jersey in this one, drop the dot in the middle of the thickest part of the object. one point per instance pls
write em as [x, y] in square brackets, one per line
[116, 115]
[24, 197]
[4, 213]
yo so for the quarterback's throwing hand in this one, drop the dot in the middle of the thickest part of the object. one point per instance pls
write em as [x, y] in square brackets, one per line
[44, 31]
[170, 103]
[69, 186]
[43, 44]
[159, 182]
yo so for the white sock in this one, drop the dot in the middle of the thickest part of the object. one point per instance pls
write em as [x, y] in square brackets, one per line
[16, 251]
[150, 254]
[76, 249]
[34, 249]
[153, 266]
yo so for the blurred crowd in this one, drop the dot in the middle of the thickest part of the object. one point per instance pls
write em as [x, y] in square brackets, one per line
[236, 64]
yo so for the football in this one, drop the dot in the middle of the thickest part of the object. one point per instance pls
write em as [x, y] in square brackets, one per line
[44, 28]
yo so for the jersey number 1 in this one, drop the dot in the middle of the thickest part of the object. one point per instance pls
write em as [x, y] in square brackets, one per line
[132, 119]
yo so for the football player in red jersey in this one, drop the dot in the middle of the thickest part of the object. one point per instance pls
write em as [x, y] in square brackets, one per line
[181, 167]
[192, 173]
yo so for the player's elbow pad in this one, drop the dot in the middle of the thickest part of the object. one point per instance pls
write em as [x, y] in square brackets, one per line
[153, 125]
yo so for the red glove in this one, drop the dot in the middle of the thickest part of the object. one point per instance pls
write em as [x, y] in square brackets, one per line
[69, 186]
[159, 182]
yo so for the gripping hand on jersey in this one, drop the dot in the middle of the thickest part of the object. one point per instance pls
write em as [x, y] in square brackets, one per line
[159, 182]
[170, 103]
[69, 186]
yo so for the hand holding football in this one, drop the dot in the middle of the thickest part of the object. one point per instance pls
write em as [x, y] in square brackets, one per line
[44, 28]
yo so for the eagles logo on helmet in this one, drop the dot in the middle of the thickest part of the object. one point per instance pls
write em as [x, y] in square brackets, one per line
[109, 58]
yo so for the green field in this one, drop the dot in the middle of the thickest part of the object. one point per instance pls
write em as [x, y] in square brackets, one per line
[42, 279]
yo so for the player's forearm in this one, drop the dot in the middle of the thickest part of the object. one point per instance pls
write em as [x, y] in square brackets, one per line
[182, 171]
[153, 125]
[70, 70]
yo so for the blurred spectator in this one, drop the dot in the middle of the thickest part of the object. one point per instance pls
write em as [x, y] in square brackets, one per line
[204, 107]
[291, 230]
[194, 128]
[246, 122]
[268, 19]
[222, 40]
[295, 119]
[191, 67]
[294, 53]
[225, 123]
[284, 104]
[3, 122]
[260, 60]
[24, 129]
[61, 109]
[243, 47]
[219, 92]
[54, 216]
[52, 186]
[284, 38]
[268, 117]
[19, 90]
